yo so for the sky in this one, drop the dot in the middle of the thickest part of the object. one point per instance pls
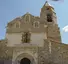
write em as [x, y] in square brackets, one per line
[10, 9]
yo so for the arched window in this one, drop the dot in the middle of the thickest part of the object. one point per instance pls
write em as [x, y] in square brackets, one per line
[26, 37]
[49, 17]
[17, 24]
[36, 24]
[27, 18]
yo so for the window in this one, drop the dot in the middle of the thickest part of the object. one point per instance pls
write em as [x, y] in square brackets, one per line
[49, 17]
[36, 24]
[27, 18]
[47, 8]
[26, 37]
[17, 25]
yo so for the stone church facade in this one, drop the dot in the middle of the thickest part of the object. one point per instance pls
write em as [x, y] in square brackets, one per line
[34, 40]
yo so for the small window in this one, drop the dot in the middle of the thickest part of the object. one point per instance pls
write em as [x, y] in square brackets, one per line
[17, 25]
[49, 17]
[27, 18]
[26, 37]
[47, 8]
[36, 24]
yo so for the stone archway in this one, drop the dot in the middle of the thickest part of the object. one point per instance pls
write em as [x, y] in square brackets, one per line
[25, 61]
[24, 58]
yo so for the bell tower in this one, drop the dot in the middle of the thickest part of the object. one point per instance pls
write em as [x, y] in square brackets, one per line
[48, 14]
[48, 18]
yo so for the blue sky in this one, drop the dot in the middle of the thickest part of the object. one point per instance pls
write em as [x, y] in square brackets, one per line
[10, 9]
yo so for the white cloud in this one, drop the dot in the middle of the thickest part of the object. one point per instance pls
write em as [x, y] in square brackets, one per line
[65, 29]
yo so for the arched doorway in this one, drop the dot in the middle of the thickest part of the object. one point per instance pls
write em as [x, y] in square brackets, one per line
[24, 58]
[25, 61]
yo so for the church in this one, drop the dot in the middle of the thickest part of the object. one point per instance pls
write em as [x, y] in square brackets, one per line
[34, 40]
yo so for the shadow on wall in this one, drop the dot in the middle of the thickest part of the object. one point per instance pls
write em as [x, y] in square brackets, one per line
[5, 61]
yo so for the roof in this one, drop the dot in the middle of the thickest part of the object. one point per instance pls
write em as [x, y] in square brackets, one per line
[47, 4]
